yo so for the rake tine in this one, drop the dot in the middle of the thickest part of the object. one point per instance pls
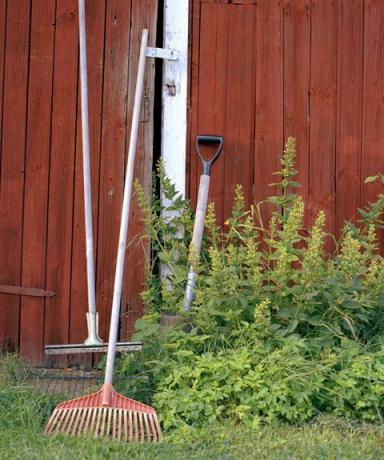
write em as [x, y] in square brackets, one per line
[99, 413]
[87, 421]
[119, 413]
[158, 430]
[61, 422]
[114, 423]
[104, 416]
[108, 431]
[125, 415]
[93, 420]
[136, 427]
[130, 426]
[51, 422]
[141, 425]
[67, 419]
[145, 416]
[76, 421]
[153, 428]
[71, 419]
[83, 417]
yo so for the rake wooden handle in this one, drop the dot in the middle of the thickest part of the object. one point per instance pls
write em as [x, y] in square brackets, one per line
[125, 213]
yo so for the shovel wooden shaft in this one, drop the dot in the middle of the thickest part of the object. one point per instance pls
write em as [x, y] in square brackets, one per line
[197, 236]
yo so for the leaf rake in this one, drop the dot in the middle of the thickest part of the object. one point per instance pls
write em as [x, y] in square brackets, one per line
[107, 413]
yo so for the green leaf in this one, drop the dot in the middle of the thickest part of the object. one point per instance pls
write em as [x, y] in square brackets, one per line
[370, 179]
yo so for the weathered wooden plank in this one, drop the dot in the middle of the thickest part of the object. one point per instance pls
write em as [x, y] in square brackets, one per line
[297, 40]
[349, 110]
[211, 108]
[174, 92]
[240, 104]
[95, 25]
[36, 177]
[194, 54]
[269, 100]
[113, 146]
[27, 291]
[144, 14]
[61, 180]
[3, 28]
[12, 165]
[373, 97]
[323, 111]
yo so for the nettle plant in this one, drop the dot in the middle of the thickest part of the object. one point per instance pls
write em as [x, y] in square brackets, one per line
[274, 314]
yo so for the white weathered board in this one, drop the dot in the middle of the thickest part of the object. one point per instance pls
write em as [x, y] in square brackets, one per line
[175, 80]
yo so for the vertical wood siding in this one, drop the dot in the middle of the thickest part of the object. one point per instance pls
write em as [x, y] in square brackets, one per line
[41, 190]
[263, 70]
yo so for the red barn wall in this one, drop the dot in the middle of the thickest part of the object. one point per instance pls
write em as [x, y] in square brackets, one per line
[263, 70]
[41, 192]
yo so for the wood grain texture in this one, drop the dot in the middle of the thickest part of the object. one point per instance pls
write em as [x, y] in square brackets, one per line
[3, 31]
[212, 91]
[323, 111]
[373, 99]
[349, 110]
[36, 176]
[43, 222]
[269, 100]
[61, 179]
[144, 15]
[13, 165]
[113, 145]
[297, 71]
[239, 159]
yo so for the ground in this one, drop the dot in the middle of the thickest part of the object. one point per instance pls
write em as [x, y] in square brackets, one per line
[24, 410]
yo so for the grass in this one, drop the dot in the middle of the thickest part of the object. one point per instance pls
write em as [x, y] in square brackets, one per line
[23, 413]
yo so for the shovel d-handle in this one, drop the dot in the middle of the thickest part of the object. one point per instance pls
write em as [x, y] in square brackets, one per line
[201, 209]
[208, 139]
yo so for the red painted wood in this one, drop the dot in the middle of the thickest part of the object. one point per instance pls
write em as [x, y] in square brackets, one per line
[193, 97]
[373, 98]
[297, 41]
[114, 115]
[61, 180]
[12, 165]
[36, 177]
[3, 22]
[349, 110]
[144, 14]
[323, 111]
[212, 91]
[240, 104]
[269, 100]
[49, 215]
[95, 24]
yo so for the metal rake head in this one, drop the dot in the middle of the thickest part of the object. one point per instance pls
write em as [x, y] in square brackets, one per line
[122, 418]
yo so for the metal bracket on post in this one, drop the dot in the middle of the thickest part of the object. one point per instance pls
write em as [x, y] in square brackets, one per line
[162, 53]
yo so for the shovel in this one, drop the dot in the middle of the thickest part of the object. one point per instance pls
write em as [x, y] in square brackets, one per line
[201, 208]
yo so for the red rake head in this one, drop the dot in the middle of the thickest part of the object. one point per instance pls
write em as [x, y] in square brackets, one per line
[106, 414]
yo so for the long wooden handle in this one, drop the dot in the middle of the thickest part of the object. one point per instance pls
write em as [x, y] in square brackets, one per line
[86, 161]
[125, 213]
[197, 236]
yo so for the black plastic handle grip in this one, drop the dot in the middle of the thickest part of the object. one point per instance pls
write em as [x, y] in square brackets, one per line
[209, 139]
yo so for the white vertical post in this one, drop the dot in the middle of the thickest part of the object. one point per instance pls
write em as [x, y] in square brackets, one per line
[175, 79]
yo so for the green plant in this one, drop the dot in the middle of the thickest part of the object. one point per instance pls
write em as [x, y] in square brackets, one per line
[270, 303]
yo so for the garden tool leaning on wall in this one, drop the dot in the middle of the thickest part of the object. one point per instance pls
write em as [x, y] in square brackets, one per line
[106, 412]
[93, 343]
[201, 209]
